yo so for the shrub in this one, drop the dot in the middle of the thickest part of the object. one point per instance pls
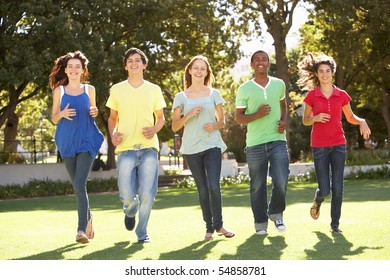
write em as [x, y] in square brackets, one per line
[378, 173]
[42, 188]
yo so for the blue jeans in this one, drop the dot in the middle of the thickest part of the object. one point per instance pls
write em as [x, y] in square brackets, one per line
[78, 168]
[206, 170]
[329, 165]
[276, 154]
[137, 183]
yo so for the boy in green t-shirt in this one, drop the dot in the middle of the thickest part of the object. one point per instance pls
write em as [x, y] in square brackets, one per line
[261, 104]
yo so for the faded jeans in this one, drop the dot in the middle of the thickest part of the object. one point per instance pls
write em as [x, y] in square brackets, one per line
[137, 183]
[78, 168]
[329, 165]
[276, 154]
[206, 170]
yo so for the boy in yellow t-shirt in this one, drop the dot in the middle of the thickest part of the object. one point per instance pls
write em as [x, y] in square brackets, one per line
[136, 115]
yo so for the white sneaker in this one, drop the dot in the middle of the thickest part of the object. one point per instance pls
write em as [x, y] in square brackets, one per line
[261, 232]
[280, 226]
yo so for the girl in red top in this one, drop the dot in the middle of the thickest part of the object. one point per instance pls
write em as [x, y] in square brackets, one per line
[324, 105]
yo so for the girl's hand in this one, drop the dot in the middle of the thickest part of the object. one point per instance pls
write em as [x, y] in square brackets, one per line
[322, 117]
[364, 129]
[93, 111]
[194, 112]
[67, 113]
[209, 127]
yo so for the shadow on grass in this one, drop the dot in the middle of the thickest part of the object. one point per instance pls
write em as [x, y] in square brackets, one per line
[56, 254]
[266, 248]
[271, 250]
[120, 251]
[338, 248]
[196, 251]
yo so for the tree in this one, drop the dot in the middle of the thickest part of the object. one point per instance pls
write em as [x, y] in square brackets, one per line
[26, 51]
[34, 33]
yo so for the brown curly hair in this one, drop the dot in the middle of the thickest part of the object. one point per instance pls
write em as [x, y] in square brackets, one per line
[308, 68]
[58, 76]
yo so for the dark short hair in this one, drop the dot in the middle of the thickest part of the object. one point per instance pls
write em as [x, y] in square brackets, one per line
[258, 51]
[132, 51]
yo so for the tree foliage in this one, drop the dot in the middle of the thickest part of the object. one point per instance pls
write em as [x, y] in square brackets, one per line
[34, 33]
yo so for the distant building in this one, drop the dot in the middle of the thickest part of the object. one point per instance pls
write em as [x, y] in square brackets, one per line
[241, 69]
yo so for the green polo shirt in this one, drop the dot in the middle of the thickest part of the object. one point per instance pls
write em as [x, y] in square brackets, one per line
[251, 96]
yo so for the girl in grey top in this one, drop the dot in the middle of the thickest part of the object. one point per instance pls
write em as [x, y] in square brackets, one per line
[199, 110]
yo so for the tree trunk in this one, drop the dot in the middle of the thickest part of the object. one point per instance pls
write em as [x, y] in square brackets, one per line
[10, 132]
[282, 72]
[386, 113]
[279, 21]
[111, 161]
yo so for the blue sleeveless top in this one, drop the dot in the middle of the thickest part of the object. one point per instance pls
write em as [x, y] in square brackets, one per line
[81, 134]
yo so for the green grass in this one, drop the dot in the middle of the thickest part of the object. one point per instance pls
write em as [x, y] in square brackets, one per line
[45, 228]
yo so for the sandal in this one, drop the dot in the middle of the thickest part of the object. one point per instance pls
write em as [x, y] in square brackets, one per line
[226, 233]
[81, 237]
[90, 231]
[208, 236]
[315, 210]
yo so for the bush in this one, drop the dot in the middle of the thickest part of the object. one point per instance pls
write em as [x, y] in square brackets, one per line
[378, 173]
[367, 157]
[43, 188]
[189, 181]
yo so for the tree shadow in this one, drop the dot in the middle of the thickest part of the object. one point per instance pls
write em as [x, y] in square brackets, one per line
[56, 254]
[338, 248]
[265, 251]
[120, 251]
[196, 251]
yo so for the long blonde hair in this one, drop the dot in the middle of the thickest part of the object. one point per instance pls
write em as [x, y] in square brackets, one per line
[209, 79]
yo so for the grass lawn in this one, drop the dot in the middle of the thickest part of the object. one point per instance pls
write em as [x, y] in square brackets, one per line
[45, 228]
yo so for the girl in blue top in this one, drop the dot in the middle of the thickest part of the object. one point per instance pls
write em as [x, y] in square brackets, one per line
[199, 110]
[77, 136]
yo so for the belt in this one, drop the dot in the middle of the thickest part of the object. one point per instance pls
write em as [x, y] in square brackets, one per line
[138, 147]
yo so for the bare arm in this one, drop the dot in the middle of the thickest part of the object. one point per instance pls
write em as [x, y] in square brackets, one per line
[283, 118]
[116, 136]
[242, 118]
[309, 119]
[149, 132]
[353, 119]
[178, 121]
[220, 123]
[93, 110]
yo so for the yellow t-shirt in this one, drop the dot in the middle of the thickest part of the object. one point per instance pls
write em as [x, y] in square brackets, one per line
[135, 108]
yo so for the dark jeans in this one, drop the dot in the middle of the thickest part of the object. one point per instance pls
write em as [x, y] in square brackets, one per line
[206, 170]
[78, 168]
[276, 154]
[329, 165]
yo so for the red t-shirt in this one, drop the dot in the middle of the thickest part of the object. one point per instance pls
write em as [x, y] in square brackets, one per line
[330, 133]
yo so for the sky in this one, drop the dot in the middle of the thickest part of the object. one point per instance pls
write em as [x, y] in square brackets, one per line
[264, 42]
